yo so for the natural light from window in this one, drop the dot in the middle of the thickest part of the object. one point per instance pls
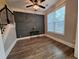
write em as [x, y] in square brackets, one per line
[56, 21]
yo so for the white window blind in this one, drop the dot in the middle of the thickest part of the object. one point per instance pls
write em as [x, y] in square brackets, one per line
[56, 21]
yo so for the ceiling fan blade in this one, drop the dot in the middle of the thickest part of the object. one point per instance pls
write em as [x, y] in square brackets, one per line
[41, 6]
[31, 1]
[29, 6]
[42, 0]
[36, 1]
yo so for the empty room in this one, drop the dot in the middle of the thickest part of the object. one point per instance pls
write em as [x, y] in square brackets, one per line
[38, 29]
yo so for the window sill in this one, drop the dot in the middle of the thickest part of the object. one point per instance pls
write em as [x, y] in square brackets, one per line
[57, 33]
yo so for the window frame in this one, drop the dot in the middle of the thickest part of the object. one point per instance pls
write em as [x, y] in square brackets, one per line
[64, 19]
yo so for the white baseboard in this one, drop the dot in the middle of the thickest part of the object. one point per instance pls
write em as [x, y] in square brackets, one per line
[9, 49]
[61, 41]
[31, 37]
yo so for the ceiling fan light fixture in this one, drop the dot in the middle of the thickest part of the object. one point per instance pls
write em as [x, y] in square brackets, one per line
[36, 7]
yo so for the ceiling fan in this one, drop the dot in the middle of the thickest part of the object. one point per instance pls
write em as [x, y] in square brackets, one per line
[36, 5]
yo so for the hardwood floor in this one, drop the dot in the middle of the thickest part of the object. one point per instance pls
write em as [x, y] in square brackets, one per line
[41, 48]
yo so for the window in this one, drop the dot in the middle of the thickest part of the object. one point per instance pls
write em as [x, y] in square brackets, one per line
[56, 21]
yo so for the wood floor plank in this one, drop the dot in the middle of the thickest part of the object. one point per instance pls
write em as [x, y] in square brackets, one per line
[41, 48]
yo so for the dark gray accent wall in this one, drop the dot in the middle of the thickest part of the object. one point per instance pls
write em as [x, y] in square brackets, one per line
[26, 21]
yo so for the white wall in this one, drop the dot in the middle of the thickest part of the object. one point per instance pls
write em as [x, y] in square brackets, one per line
[2, 53]
[9, 38]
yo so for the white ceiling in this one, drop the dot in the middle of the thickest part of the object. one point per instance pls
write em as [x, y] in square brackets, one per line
[20, 5]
